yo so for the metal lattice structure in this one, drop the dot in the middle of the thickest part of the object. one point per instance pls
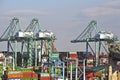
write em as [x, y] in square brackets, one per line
[87, 34]
[34, 26]
[9, 37]
[11, 30]
[92, 33]
[27, 41]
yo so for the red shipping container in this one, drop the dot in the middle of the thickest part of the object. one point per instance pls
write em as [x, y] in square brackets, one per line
[73, 56]
[46, 78]
[94, 74]
[27, 74]
[15, 75]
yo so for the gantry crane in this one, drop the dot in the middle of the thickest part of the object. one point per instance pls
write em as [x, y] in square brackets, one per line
[28, 41]
[43, 39]
[87, 35]
[92, 33]
[35, 42]
[9, 36]
[30, 47]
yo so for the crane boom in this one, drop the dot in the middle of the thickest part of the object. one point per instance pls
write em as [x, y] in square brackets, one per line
[9, 33]
[33, 26]
[87, 32]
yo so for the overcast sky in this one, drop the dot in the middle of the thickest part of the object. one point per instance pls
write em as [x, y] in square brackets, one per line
[65, 18]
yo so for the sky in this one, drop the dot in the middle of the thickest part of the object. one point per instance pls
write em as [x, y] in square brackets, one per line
[65, 18]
